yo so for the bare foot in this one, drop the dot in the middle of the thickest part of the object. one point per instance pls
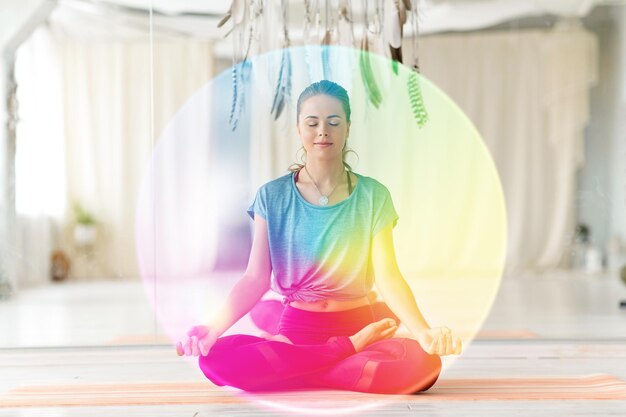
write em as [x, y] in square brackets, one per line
[382, 329]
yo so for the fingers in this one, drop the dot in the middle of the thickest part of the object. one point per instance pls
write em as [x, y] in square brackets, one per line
[194, 345]
[199, 331]
[447, 345]
[434, 346]
[458, 346]
[202, 348]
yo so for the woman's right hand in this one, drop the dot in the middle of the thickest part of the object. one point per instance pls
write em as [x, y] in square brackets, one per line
[199, 341]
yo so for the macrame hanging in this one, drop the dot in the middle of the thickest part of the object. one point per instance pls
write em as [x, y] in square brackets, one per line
[382, 25]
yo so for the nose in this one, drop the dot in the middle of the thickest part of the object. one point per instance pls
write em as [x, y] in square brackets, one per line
[325, 134]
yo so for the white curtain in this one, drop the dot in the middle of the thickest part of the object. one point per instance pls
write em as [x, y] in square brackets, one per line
[97, 95]
[39, 161]
[527, 92]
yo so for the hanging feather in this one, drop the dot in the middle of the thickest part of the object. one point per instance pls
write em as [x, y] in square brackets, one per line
[224, 19]
[415, 93]
[345, 31]
[393, 32]
[369, 82]
[415, 98]
[238, 14]
[232, 118]
[407, 4]
[306, 39]
[393, 27]
[326, 42]
[245, 69]
[401, 11]
[283, 83]
[238, 9]
[326, 55]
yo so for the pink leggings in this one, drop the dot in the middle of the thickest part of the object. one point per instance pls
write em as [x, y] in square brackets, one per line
[322, 356]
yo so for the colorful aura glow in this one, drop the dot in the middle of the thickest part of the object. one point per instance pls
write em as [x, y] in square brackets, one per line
[191, 211]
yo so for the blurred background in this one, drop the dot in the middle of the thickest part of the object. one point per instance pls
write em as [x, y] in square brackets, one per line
[88, 87]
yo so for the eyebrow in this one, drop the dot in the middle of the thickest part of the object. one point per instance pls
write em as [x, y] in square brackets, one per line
[315, 117]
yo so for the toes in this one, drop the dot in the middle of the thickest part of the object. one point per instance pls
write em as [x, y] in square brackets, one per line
[389, 332]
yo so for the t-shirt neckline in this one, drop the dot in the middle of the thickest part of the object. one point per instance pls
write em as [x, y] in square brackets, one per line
[344, 201]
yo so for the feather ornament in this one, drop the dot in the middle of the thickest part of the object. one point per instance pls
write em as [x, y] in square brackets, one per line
[326, 55]
[367, 75]
[283, 84]
[238, 10]
[345, 24]
[232, 117]
[416, 98]
[417, 101]
[306, 35]
[393, 26]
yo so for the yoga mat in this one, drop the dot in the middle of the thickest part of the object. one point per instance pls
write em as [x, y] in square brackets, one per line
[146, 339]
[589, 387]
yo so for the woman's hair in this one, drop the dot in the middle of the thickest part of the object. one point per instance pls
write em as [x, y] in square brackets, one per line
[330, 89]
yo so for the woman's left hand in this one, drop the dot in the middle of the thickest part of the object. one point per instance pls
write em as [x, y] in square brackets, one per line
[439, 341]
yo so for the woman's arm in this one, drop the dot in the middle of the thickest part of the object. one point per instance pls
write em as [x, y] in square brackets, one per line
[392, 285]
[251, 287]
[399, 297]
[244, 295]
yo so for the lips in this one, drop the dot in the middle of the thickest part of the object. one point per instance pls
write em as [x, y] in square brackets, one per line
[323, 143]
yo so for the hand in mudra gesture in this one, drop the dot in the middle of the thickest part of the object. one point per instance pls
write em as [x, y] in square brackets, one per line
[199, 341]
[439, 341]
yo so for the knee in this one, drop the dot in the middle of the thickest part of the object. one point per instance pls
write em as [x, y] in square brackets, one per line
[427, 368]
[431, 372]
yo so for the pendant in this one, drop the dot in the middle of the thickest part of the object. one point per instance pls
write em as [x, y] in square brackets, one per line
[323, 200]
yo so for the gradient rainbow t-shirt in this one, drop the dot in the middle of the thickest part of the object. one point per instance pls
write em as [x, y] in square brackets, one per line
[322, 252]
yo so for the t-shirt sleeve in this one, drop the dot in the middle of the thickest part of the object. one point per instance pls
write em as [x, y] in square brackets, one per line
[259, 205]
[385, 212]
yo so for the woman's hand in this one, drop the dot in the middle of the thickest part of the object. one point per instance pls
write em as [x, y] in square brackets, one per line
[199, 341]
[439, 341]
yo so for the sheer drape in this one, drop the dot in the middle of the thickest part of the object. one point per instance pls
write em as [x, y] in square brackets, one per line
[98, 93]
[527, 93]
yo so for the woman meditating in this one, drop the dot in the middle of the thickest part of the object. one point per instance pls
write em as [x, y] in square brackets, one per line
[325, 233]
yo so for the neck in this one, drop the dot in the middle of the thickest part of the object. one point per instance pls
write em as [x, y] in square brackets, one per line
[326, 173]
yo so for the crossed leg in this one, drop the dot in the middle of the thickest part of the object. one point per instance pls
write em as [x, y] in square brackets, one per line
[384, 366]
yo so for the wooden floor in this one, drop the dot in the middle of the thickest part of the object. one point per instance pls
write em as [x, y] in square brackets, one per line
[28, 368]
[557, 325]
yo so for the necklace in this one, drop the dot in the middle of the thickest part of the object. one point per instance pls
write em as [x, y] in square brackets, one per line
[324, 198]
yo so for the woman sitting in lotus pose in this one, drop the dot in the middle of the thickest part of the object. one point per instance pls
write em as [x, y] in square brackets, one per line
[326, 234]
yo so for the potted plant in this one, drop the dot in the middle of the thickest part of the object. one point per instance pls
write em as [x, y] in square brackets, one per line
[85, 229]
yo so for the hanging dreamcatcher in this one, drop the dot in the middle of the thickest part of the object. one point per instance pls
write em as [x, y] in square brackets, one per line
[365, 66]
[383, 32]
[244, 16]
[283, 84]
[306, 36]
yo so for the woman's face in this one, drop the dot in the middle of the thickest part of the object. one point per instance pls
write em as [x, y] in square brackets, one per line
[322, 127]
